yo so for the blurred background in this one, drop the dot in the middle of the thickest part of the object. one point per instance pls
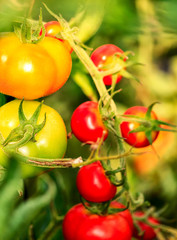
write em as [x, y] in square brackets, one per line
[148, 28]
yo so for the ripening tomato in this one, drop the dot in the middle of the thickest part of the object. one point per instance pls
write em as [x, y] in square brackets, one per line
[149, 233]
[80, 224]
[136, 139]
[51, 140]
[53, 28]
[31, 71]
[106, 57]
[93, 184]
[86, 123]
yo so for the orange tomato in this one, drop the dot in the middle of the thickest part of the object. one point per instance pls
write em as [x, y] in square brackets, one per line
[31, 71]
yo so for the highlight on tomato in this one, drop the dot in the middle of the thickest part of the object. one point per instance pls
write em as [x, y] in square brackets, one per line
[81, 224]
[53, 28]
[49, 142]
[87, 124]
[93, 184]
[106, 57]
[148, 232]
[32, 71]
[137, 139]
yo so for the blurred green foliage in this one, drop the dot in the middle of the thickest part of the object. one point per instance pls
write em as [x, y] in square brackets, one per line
[148, 29]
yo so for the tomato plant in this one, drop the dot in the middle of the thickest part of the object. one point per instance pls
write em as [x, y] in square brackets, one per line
[31, 71]
[106, 57]
[87, 124]
[50, 142]
[137, 139]
[53, 28]
[93, 184]
[80, 224]
[147, 230]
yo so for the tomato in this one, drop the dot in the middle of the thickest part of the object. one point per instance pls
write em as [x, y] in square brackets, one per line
[86, 123]
[53, 28]
[80, 224]
[93, 184]
[31, 71]
[51, 140]
[104, 57]
[136, 139]
[149, 232]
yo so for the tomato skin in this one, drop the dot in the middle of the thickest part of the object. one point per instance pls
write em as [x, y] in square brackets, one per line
[136, 139]
[51, 141]
[86, 123]
[31, 71]
[125, 214]
[62, 59]
[149, 233]
[93, 184]
[102, 57]
[80, 224]
[52, 28]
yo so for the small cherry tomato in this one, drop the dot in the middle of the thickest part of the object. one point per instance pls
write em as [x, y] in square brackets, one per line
[93, 184]
[53, 28]
[86, 123]
[136, 139]
[149, 233]
[32, 71]
[80, 224]
[51, 140]
[105, 57]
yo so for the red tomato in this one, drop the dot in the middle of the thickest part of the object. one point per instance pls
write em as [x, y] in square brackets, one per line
[86, 123]
[52, 29]
[136, 139]
[80, 224]
[93, 184]
[149, 232]
[126, 213]
[104, 56]
[32, 71]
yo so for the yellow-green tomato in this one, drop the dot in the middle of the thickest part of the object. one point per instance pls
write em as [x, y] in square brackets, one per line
[51, 140]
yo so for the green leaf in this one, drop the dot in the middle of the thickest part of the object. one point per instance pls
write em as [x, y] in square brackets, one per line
[9, 193]
[148, 113]
[82, 80]
[28, 211]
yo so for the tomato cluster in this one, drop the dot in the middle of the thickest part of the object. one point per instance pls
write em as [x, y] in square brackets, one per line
[31, 71]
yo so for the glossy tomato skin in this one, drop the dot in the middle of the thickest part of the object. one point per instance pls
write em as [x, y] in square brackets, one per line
[125, 213]
[31, 71]
[93, 184]
[80, 224]
[51, 141]
[52, 28]
[149, 233]
[137, 139]
[103, 56]
[86, 123]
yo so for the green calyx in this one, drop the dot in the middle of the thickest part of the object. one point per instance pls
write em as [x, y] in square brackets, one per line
[29, 31]
[26, 130]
